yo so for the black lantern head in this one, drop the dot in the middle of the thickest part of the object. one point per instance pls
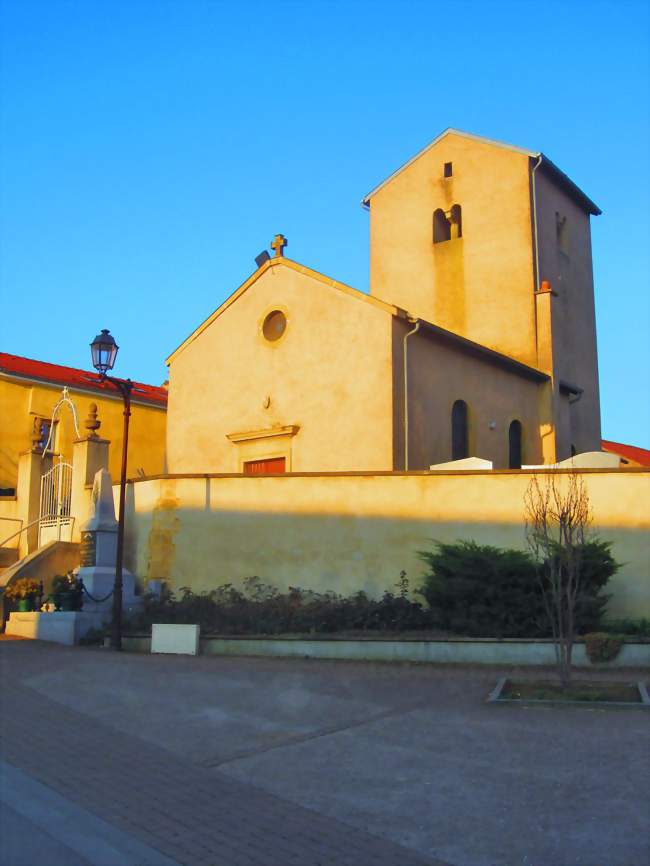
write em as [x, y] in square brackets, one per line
[104, 351]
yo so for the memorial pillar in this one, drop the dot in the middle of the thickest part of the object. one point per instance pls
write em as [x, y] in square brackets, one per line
[98, 552]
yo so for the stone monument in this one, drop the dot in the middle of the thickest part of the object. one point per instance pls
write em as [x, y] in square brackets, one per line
[98, 553]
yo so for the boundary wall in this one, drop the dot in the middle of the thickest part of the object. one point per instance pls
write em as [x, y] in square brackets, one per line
[347, 532]
[485, 651]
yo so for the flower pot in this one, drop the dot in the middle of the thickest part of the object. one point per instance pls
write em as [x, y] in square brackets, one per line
[25, 604]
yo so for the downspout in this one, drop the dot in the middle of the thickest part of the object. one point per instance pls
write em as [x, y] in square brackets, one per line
[406, 392]
[537, 288]
[536, 256]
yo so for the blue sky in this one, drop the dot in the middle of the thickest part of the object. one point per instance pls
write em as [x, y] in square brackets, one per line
[149, 150]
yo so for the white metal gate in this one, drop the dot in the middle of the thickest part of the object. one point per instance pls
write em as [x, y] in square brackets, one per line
[56, 493]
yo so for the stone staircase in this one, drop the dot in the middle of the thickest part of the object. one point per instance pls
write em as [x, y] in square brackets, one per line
[8, 557]
[55, 557]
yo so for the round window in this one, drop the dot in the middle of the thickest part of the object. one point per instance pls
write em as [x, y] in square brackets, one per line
[275, 324]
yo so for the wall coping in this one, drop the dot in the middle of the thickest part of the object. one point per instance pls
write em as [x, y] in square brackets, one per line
[171, 476]
[385, 639]
[462, 651]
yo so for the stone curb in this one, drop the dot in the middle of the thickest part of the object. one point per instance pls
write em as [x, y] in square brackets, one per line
[495, 698]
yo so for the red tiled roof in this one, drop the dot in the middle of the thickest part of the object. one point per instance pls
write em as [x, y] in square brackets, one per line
[629, 452]
[28, 368]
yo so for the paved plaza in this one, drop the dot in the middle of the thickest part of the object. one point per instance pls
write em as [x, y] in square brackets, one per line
[136, 760]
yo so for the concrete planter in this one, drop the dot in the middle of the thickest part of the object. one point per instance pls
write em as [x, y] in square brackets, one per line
[66, 627]
[496, 697]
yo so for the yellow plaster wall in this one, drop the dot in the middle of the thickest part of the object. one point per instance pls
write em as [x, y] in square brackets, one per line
[330, 375]
[481, 285]
[15, 427]
[440, 374]
[9, 522]
[21, 403]
[351, 532]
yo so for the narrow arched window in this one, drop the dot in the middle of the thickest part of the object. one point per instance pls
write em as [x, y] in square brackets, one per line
[459, 431]
[441, 226]
[456, 221]
[514, 445]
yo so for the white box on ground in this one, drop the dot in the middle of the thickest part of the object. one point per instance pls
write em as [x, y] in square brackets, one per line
[179, 639]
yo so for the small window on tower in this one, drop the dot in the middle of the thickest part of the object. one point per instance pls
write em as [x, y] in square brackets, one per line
[449, 169]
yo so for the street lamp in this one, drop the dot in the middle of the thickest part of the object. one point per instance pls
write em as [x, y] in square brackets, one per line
[104, 352]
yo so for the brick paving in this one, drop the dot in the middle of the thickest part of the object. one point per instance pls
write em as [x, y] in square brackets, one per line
[198, 817]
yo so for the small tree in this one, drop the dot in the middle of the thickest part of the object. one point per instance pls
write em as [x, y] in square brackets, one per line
[558, 517]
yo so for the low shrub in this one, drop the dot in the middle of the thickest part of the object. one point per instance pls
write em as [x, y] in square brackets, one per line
[259, 608]
[638, 628]
[603, 647]
[472, 590]
[483, 591]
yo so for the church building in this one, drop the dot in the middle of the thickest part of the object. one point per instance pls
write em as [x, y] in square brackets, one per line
[477, 337]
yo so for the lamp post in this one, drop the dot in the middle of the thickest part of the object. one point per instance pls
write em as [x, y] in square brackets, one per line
[104, 352]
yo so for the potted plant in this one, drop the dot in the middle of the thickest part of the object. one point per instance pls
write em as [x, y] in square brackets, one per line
[66, 592]
[24, 592]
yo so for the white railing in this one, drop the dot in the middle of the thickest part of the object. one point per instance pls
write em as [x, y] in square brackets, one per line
[48, 518]
[17, 520]
[56, 497]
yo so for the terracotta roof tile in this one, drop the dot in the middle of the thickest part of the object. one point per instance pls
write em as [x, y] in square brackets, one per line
[628, 452]
[73, 378]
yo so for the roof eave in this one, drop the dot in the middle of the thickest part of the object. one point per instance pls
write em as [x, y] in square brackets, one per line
[572, 188]
[490, 355]
[583, 199]
[365, 201]
[89, 388]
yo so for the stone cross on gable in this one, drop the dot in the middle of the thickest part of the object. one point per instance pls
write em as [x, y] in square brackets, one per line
[279, 243]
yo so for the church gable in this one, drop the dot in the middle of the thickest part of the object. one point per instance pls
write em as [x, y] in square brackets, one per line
[280, 261]
[292, 351]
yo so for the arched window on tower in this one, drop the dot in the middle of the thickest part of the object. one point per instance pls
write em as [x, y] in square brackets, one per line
[456, 221]
[459, 431]
[514, 445]
[447, 225]
[441, 227]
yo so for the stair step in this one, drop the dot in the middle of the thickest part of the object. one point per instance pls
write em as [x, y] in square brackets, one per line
[8, 555]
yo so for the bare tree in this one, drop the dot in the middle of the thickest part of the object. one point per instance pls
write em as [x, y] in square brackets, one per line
[558, 517]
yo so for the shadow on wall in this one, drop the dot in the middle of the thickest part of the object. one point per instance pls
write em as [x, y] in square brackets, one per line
[339, 552]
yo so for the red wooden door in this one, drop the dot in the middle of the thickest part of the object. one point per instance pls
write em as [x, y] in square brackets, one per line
[261, 467]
